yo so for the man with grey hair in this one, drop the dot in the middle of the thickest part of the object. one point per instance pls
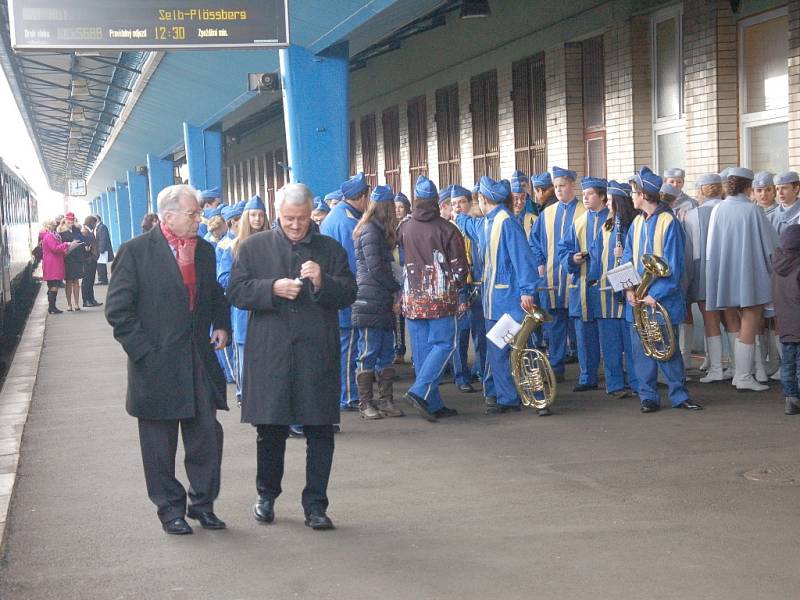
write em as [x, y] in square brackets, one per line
[162, 302]
[293, 281]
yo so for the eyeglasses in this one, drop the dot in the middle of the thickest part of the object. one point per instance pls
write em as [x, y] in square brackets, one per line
[192, 214]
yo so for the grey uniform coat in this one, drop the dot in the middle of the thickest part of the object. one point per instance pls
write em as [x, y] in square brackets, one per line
[148, 307]
[738, 255]
[696, 226]
[291, 358]
[782, 217]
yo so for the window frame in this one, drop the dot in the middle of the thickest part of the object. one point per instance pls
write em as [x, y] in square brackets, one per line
[749, 121]
[672, 124]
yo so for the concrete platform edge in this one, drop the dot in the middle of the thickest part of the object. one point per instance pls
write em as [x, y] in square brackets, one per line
[15, 400]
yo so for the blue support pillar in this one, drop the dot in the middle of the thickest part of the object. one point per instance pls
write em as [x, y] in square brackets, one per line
[315, 110]
[113, 222]
[203, 156]
[160, 175]
[137, 190]
[124, 211]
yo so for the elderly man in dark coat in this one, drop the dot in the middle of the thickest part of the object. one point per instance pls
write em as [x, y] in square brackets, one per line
[293, 281]
[105, 251]
[162, 302]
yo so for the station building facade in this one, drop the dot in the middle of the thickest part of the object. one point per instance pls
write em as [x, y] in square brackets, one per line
[600, 88]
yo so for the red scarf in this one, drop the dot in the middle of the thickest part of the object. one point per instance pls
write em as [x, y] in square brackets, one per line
[184, 254]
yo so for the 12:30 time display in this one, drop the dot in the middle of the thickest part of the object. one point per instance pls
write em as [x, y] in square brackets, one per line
[170, 33]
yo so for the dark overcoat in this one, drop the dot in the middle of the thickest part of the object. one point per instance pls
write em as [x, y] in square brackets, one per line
[148, 307]
[104, 240]
[291, 358]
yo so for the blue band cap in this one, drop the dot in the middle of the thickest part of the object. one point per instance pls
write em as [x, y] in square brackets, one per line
[593, 182]
[492, 190]
[615, 188]
[559, 172]
[787, 177]
[459, 191]
[382, 193]
[255, 203]
[355, 186]
[647, 180]
[425, 189]
[210, 194]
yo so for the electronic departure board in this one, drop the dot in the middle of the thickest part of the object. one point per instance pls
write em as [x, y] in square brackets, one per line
[148, 24]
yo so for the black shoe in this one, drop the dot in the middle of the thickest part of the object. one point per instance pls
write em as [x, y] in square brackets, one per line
[466, 388]
[650, 408]
[570, 359]
[584, 387]
[319, 521]
[94, 304]
[207, 519]
[296, 431]
[545, 412]
[264, 510]
[560, 378]
[421, 406]
[337, 428]
[54, 311]
[350, 407]
[101, 283]
[445, 412]
[177, 526]
[687, 405]
[474, 378]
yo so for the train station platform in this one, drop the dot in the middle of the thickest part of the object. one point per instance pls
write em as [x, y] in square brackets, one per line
[596, 502]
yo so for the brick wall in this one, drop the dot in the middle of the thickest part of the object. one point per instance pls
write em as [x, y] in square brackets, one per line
[576, 155]
[642, 92]
[710, 87]
[465, 131]
[556, 107]
[794, 84]
[505, 119]
[619, 100]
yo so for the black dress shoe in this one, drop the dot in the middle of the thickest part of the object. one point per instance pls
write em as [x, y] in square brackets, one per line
[177, 526]
[545, 412]
[445, 412]
[207, 519]
[650, 408]
[584, 387]
[501, 409]
[264, 510]
[350, 407]
[421, 406]
[560, 378]
[570, 359]
[466, 388]
[319, 521]
[687, 405]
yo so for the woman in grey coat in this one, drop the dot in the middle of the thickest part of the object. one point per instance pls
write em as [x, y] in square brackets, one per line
[738, 269]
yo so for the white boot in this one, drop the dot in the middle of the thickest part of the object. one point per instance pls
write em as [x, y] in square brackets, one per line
[705, 364]
[715, 360]
[730, 372]
[745, 353]
[760, 370]
[685, 343]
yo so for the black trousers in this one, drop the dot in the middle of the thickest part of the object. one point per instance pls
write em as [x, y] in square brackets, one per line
[87, 283]
[102, 273]
[271, 449]
[202, 444]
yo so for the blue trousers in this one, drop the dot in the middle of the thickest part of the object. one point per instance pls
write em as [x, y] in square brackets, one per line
[588, 347]
[615, 339]
[432, 344]
[499, 367]
[572, 339]
[471, 324]
[647, 374]
[375, 349]
[348, 342]
[556, 331]
[790, 369]
[225, 358]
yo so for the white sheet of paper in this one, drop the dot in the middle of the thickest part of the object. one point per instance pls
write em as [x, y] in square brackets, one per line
[503, 331]
[103, 258]
[623, 277]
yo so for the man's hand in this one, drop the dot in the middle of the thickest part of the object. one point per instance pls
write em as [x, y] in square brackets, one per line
[286, 288]
[219, 338]
[312, 271]
[631, 297]
[650, 301]
[527, 303]
[578, 258]
[618, 251]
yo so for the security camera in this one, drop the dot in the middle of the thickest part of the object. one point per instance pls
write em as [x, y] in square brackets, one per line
[263, 82]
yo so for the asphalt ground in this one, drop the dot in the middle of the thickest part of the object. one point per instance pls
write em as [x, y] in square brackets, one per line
[598, 501]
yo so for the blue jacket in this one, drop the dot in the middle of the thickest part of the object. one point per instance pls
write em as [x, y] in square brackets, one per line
[612, 305]
[660, 234]
[551, 226]
[224, 266]
[508, 267]
[584, 299]
[339, 225]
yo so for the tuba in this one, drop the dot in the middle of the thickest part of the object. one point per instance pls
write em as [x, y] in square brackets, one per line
[653, 323]
[532, 373]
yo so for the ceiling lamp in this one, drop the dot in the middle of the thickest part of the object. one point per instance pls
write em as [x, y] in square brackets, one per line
[475, 9]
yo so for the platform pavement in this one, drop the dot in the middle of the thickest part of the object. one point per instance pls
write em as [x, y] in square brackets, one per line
[596, 502]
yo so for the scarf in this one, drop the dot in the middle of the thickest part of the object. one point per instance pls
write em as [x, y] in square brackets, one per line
[184, 254]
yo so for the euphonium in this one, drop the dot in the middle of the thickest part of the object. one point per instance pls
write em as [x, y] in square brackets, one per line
[532, 373]
[653, 323]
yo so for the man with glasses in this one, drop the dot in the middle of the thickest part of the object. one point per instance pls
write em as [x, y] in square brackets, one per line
[162, 302]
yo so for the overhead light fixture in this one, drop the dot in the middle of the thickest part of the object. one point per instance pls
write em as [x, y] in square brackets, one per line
[80, 88]
[78, 115]
[475, 9]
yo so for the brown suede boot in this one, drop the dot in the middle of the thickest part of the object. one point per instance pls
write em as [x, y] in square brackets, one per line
[385, 394]
[366, 408]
